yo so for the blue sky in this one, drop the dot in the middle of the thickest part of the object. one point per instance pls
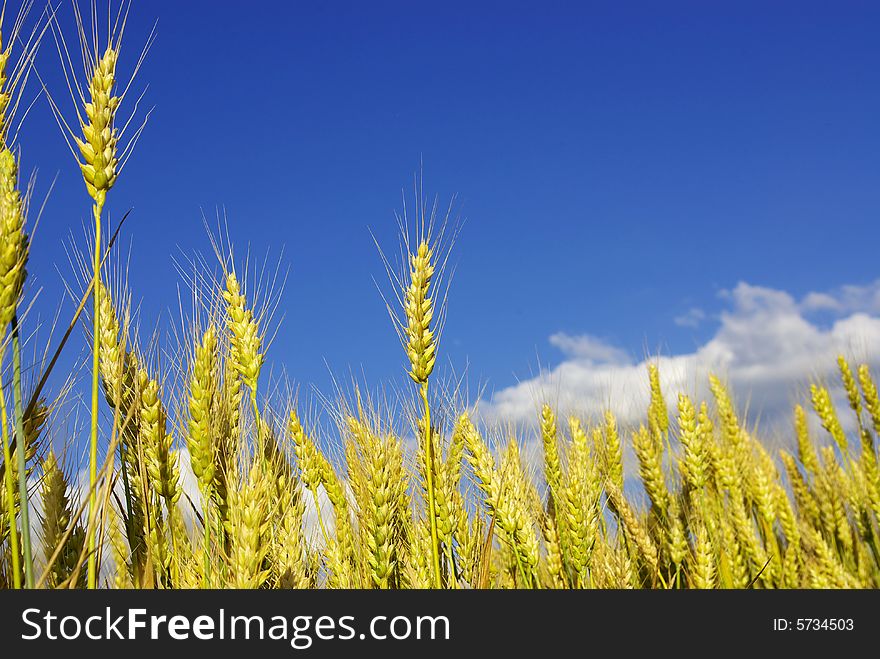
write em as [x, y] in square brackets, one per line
[617, 165]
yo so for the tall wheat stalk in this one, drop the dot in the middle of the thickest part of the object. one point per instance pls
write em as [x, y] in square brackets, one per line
[96, 147]
[99, 171]
[421, 350]
[418, 329]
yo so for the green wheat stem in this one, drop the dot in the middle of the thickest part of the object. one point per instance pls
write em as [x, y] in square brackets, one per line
[93, 448]
[22, 459]
[10, 490]
[429, 477]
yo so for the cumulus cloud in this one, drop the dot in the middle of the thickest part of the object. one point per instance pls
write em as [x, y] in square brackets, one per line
[768, 346]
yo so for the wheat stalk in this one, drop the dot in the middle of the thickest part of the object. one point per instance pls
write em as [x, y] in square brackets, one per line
[421, 349]
[96, 145]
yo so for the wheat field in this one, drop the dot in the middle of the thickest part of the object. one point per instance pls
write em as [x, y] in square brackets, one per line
[198, 476]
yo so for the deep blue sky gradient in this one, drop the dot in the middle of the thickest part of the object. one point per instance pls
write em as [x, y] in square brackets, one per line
[617, 163]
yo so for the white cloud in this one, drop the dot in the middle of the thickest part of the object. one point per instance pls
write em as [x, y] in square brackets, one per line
[693, 317]
[820, 302]
[588, 349]
[845, 300]
[766, 346]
